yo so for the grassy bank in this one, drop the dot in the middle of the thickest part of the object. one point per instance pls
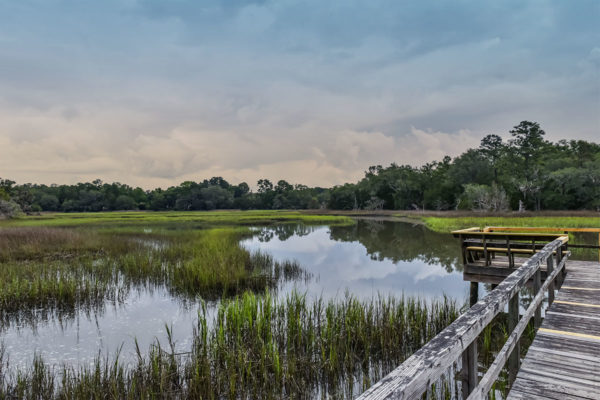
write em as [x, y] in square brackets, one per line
[258, 347]
[194, 218]
[448, 224]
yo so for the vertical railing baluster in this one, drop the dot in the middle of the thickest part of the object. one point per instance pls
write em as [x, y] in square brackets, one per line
[469, 357]
[561, 276]
[469, 369]
[485, 251]
[549, 269]
[537, 284]
[511, 261]
[513, 320]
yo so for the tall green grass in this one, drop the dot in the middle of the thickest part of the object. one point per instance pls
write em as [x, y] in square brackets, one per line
[62, 269]
[256, 346]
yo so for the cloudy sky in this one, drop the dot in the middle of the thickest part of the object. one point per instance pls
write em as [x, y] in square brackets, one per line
[153, 93]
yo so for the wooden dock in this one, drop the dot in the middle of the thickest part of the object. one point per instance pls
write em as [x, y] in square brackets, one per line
[563, 362]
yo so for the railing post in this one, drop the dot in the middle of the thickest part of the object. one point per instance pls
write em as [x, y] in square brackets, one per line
[537, 284]
[469, 357]
[463, 249]
[513, 320]
[561, 276]
[549, 269]
[485, 252]
[469, 369]
[564, 247]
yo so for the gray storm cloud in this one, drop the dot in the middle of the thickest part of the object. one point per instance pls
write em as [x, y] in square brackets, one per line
[154, 93]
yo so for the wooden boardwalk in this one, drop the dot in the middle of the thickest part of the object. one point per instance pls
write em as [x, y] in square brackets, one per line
[563, 362]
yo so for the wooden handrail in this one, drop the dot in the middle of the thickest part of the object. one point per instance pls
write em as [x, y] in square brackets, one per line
[527, 235]
[428, 364]
[467, 230]
[538, 229]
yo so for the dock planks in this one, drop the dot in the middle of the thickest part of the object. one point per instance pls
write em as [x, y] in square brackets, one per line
[563, 362]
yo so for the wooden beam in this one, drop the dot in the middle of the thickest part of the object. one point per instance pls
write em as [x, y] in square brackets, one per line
[539, 229]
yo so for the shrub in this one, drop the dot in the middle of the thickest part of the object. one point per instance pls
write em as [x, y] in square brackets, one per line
[9, 209]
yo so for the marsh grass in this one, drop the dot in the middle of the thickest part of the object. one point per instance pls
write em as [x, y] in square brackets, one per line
[180, 218]
[43, 270]
[257, 346]
[41, 243]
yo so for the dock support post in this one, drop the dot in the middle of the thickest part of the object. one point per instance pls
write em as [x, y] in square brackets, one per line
[469, 369]
[474, 293]
[537, 284]
[549, 269]
[513, 320]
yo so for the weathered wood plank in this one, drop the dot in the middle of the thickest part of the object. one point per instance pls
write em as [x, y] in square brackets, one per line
[573, 310]
[549, 355]
[566, 344]
[566, 382]
[581, 371]
[592, 316]
[550, 390]
[572, 324]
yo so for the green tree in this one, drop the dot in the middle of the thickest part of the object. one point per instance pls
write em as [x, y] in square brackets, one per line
[124, 202]
[492, 148]
[528, 142]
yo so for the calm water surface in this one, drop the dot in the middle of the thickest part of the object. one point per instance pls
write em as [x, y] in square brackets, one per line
[366, 259]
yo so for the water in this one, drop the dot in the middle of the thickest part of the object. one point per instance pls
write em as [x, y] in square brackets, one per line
[366, 259]
[77, 341]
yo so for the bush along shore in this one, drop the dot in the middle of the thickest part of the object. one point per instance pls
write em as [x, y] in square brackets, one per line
[256, 346]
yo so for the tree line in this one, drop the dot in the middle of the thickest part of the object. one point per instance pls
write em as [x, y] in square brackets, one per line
[524, 172]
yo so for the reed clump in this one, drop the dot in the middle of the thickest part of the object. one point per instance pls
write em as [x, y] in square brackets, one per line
[256, 346]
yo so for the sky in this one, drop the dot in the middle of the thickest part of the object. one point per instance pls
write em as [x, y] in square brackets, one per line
[153, 93]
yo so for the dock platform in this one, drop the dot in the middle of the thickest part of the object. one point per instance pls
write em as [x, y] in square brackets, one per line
[563, 362]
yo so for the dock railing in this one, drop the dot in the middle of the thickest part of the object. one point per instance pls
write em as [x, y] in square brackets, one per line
[475, 242]
[459, 340]
[560, 230]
